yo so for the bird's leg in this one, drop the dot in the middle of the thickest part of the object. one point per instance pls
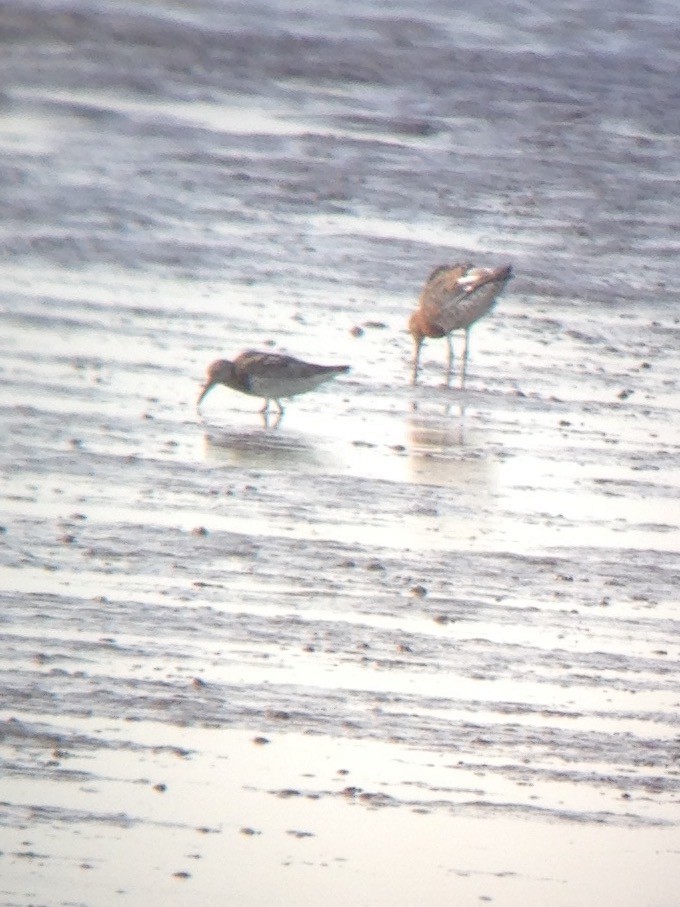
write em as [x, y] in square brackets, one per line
[278, 403]
[465, 357]
[265, 408]
[449, 360]
[271, 419]
[416, 361]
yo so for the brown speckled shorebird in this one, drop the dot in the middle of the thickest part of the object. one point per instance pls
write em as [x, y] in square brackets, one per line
[453, 298]
[268, 375]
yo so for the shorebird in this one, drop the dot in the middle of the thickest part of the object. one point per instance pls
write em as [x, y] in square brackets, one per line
[453, 298]
[268, 375]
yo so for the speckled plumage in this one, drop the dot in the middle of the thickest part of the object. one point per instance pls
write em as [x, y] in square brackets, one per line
[454, 298]
[268, 375]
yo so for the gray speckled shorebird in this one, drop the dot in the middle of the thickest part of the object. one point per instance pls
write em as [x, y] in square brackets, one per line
[268, 375]
[453, 298]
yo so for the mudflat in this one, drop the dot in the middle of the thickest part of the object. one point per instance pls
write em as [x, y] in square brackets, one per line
[407, 644]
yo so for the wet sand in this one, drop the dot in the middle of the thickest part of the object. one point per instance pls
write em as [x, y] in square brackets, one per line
[410, 644]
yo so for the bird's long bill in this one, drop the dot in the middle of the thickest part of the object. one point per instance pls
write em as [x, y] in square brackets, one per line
[206, 387]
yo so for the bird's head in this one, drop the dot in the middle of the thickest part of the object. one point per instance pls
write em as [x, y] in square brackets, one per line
[221, 371]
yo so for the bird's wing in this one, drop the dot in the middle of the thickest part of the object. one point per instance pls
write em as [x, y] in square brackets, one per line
[456, 300]
[441, 291]
[279, 366]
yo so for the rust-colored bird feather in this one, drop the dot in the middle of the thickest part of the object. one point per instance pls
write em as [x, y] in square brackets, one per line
[454, 298]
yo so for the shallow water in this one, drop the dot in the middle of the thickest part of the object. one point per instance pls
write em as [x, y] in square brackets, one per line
[409, 643]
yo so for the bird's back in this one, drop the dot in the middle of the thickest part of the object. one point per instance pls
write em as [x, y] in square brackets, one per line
[455, 296]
